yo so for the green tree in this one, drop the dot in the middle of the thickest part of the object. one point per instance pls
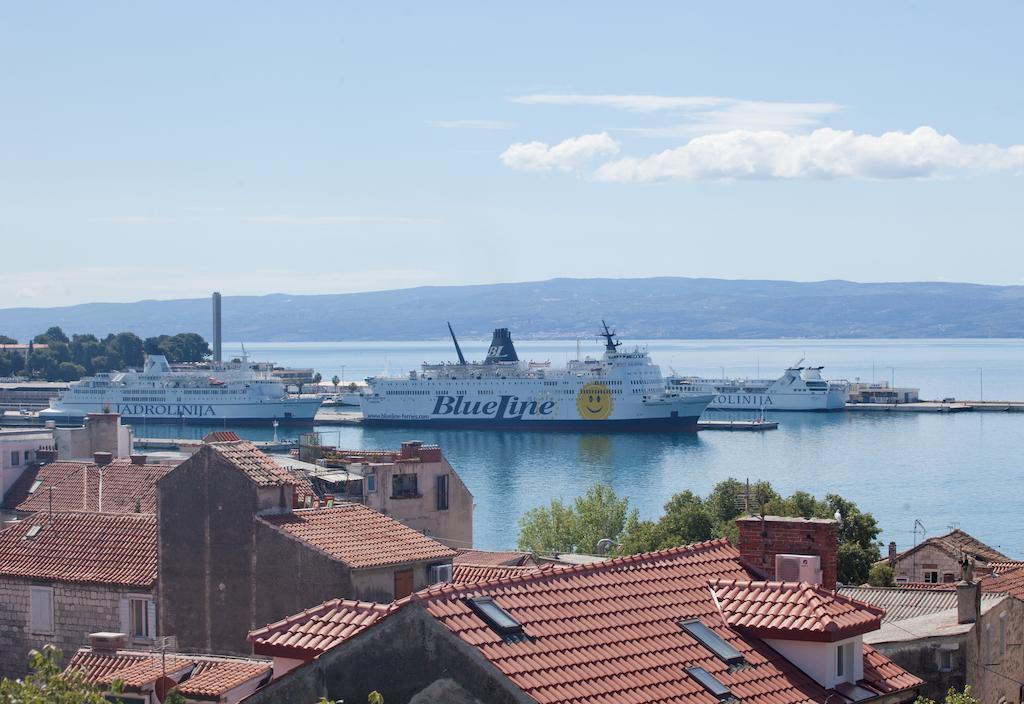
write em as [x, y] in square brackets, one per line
[881, 575]
[687, 519]
[10, 362]
[174, 696]
[67, 371]
[124, 350]
[4, 340]
[335, 381]
[53, 334]
[183, 347]
[84, 349]
[48, 684]
[578, 527]
[953, 697]
[44, 364]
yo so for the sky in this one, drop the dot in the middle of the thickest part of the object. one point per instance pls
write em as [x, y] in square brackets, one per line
[167, 150]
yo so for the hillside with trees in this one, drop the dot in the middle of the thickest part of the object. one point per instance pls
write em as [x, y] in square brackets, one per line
[56, 357]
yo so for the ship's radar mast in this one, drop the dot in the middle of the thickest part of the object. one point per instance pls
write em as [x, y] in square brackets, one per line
[610, 343]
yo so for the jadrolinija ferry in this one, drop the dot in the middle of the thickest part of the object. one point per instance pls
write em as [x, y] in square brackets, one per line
[798, 389]
[221, 392]
[621, 391]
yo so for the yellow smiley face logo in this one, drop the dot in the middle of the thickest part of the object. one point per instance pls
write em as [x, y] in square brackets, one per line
[594, 401]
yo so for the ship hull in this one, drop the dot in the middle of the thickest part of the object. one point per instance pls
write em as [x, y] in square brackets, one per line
[776, 402]
[293, 413]
[679, 424]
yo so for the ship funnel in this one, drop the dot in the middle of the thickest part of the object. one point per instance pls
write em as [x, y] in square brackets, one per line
[216, 327]
[502, 349]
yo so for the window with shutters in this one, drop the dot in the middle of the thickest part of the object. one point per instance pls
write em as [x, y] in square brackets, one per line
[41, 602]
[442, 492]
[139, 611]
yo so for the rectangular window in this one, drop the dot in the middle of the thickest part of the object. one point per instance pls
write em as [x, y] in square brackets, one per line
[931, 577]
[371, 483]
[404, 486]
[139, 610]
[41, 599]
[27, 454]
[14, 459]
[710, 683]
[945, 660]
[442, 492]
[713, 642]
[841, 660]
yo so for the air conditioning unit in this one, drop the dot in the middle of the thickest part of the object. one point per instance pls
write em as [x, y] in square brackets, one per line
[440, 574]
[798, 568]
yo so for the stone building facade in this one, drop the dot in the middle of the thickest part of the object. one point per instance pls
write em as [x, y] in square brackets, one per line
[234, 554]
[936, 560]
[995, 653]
[54, 591]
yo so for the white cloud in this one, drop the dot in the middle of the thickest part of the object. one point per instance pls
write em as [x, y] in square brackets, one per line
[330, 219]
[630, 103]
[700, 114]
[473, 124]
[571, 154]
[822, 154]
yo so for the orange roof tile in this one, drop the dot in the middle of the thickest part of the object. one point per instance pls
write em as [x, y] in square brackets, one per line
[494, 558]
[75, 486]
[82, 547]
[359, 536]
[1011, 583]
[221, 436]
[795, 610]
[206, 677]
[1006, 566]
[262, 470]
[464, 574]
[609, 633]
[314, 631]
[955, 544]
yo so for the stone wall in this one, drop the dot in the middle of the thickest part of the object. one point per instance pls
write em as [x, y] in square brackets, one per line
[921, 657]
[928, 558]
[762, 539]
[78, 610]
[995, 653]
[410, 643]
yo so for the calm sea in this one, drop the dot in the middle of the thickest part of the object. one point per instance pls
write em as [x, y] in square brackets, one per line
[941, 469]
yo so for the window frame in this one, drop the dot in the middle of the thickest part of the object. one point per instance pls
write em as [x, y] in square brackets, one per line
[371, 483]
[442, 491]
[934, 574]
[34, 591]
[132, 624]
[405, 478]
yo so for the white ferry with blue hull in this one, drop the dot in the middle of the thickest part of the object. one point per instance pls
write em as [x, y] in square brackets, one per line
[232, 392]
[622, 391]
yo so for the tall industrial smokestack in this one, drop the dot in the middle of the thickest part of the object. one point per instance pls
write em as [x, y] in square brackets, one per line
[216, 327]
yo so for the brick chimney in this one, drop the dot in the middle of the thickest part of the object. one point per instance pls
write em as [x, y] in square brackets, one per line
[45, 456]
[892, 553]
[410, 449]
[138, 459]
[102, 459]
[106, 642]
[761, 539]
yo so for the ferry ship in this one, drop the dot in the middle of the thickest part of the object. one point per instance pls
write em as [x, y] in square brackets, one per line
[798, 389]
[620, 391]
[217, 392]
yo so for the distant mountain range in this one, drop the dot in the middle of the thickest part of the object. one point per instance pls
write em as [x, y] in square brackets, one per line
[651, 308]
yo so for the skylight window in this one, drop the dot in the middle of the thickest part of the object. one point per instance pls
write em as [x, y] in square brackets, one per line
[709, 682]
[35, 485]
[496, 617]
[711, 640]
[33, 532]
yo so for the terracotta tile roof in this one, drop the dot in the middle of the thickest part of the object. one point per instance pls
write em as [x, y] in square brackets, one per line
[609, 633]
[494, 558]
[1006, 566]
[1011, 583]
[82, 547]
[314, 631]
[466, 574]
[75, 486]
[208, 677]
[954, 544]
[220, 436]
[262, 470]
[359, 536]
[794, 610]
